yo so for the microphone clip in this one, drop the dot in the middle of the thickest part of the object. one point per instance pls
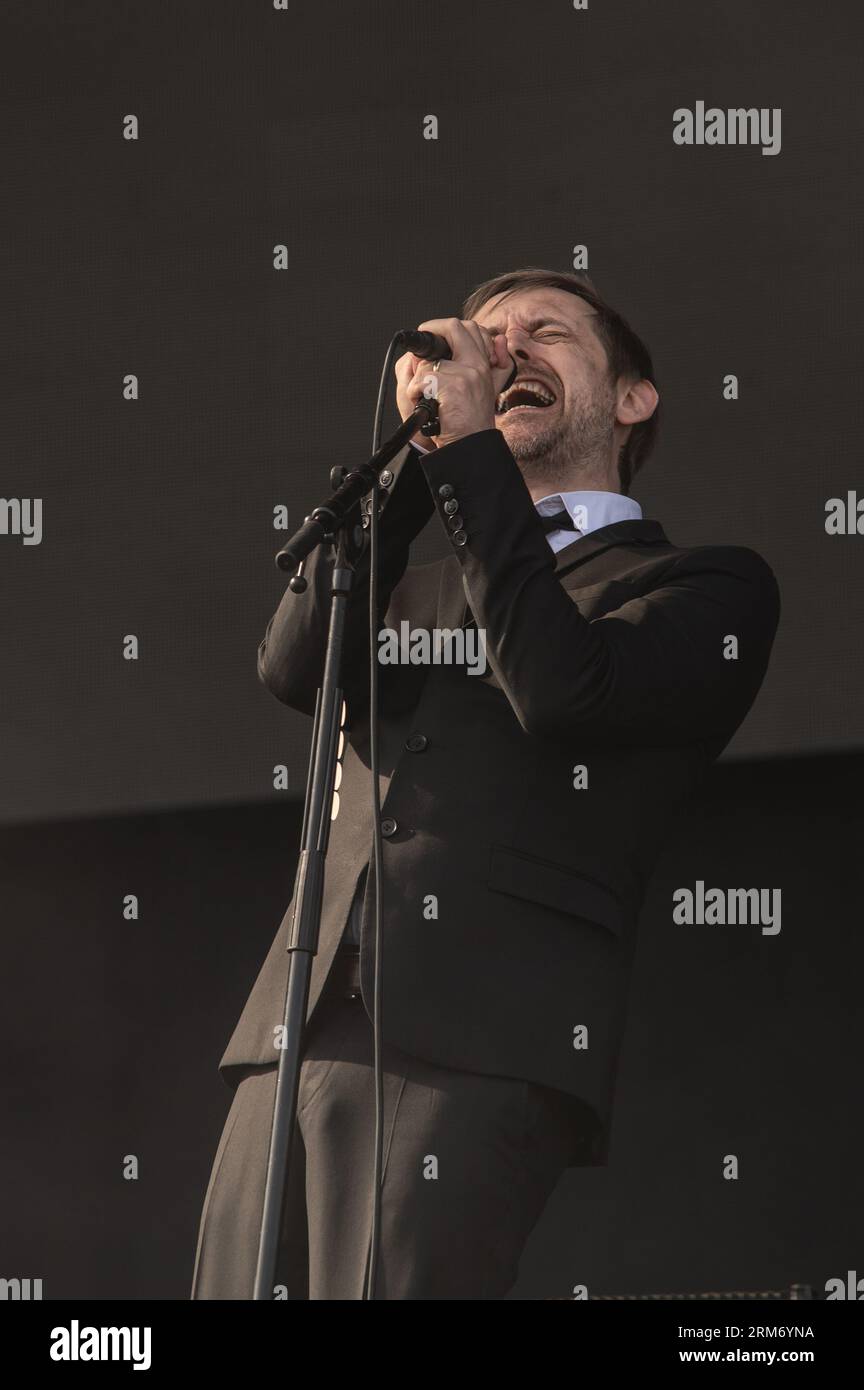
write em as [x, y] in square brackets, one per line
[432, 426]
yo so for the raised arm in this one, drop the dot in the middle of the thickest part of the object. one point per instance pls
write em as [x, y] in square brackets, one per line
[657, 669]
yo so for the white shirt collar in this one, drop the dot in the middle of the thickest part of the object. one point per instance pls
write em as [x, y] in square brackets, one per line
[589, 510]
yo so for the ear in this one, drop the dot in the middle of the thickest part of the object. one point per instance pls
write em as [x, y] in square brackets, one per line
[637, 400]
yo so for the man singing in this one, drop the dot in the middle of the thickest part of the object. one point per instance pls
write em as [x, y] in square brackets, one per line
[522, 811]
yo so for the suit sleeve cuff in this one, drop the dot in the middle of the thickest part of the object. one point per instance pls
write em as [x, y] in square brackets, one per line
[479, 493]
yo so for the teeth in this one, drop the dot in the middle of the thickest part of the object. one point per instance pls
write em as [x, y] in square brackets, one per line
[534, 387]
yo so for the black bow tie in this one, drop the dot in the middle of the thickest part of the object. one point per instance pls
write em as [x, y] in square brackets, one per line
[558, 521]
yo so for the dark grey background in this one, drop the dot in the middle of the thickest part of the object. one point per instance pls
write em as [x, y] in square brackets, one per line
[260, 127]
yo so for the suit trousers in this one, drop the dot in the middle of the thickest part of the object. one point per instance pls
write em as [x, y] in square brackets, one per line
[469, 1163]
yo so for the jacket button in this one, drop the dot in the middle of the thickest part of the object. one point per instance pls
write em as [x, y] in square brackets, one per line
[445, 491]
[388, 827]
[385, 478]
[456, 522]
[417, 743]
[460, 537]
[451, 506]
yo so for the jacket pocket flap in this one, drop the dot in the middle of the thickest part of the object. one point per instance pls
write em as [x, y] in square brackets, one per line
[554, 885]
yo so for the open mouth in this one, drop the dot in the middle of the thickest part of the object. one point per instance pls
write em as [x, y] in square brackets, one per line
[526, 393]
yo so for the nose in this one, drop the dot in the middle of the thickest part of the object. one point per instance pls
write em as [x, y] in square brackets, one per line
[517, 343]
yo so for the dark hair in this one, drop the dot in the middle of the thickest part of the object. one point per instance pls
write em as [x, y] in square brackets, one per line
[627, 354]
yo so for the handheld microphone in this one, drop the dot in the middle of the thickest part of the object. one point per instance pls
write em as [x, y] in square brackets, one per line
[426, 345]
[430, 347]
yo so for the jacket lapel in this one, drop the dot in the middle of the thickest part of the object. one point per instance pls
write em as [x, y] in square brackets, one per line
[453, 608]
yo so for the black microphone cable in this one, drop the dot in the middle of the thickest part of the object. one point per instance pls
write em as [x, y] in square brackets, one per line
[425, 345]
[377, 843]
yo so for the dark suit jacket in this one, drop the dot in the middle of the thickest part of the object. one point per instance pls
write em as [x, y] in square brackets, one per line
[614, 656]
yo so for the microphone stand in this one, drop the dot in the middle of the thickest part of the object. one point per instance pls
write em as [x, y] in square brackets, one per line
[325, 523]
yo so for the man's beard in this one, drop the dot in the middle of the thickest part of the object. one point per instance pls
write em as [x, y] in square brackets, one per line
[579, 443]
